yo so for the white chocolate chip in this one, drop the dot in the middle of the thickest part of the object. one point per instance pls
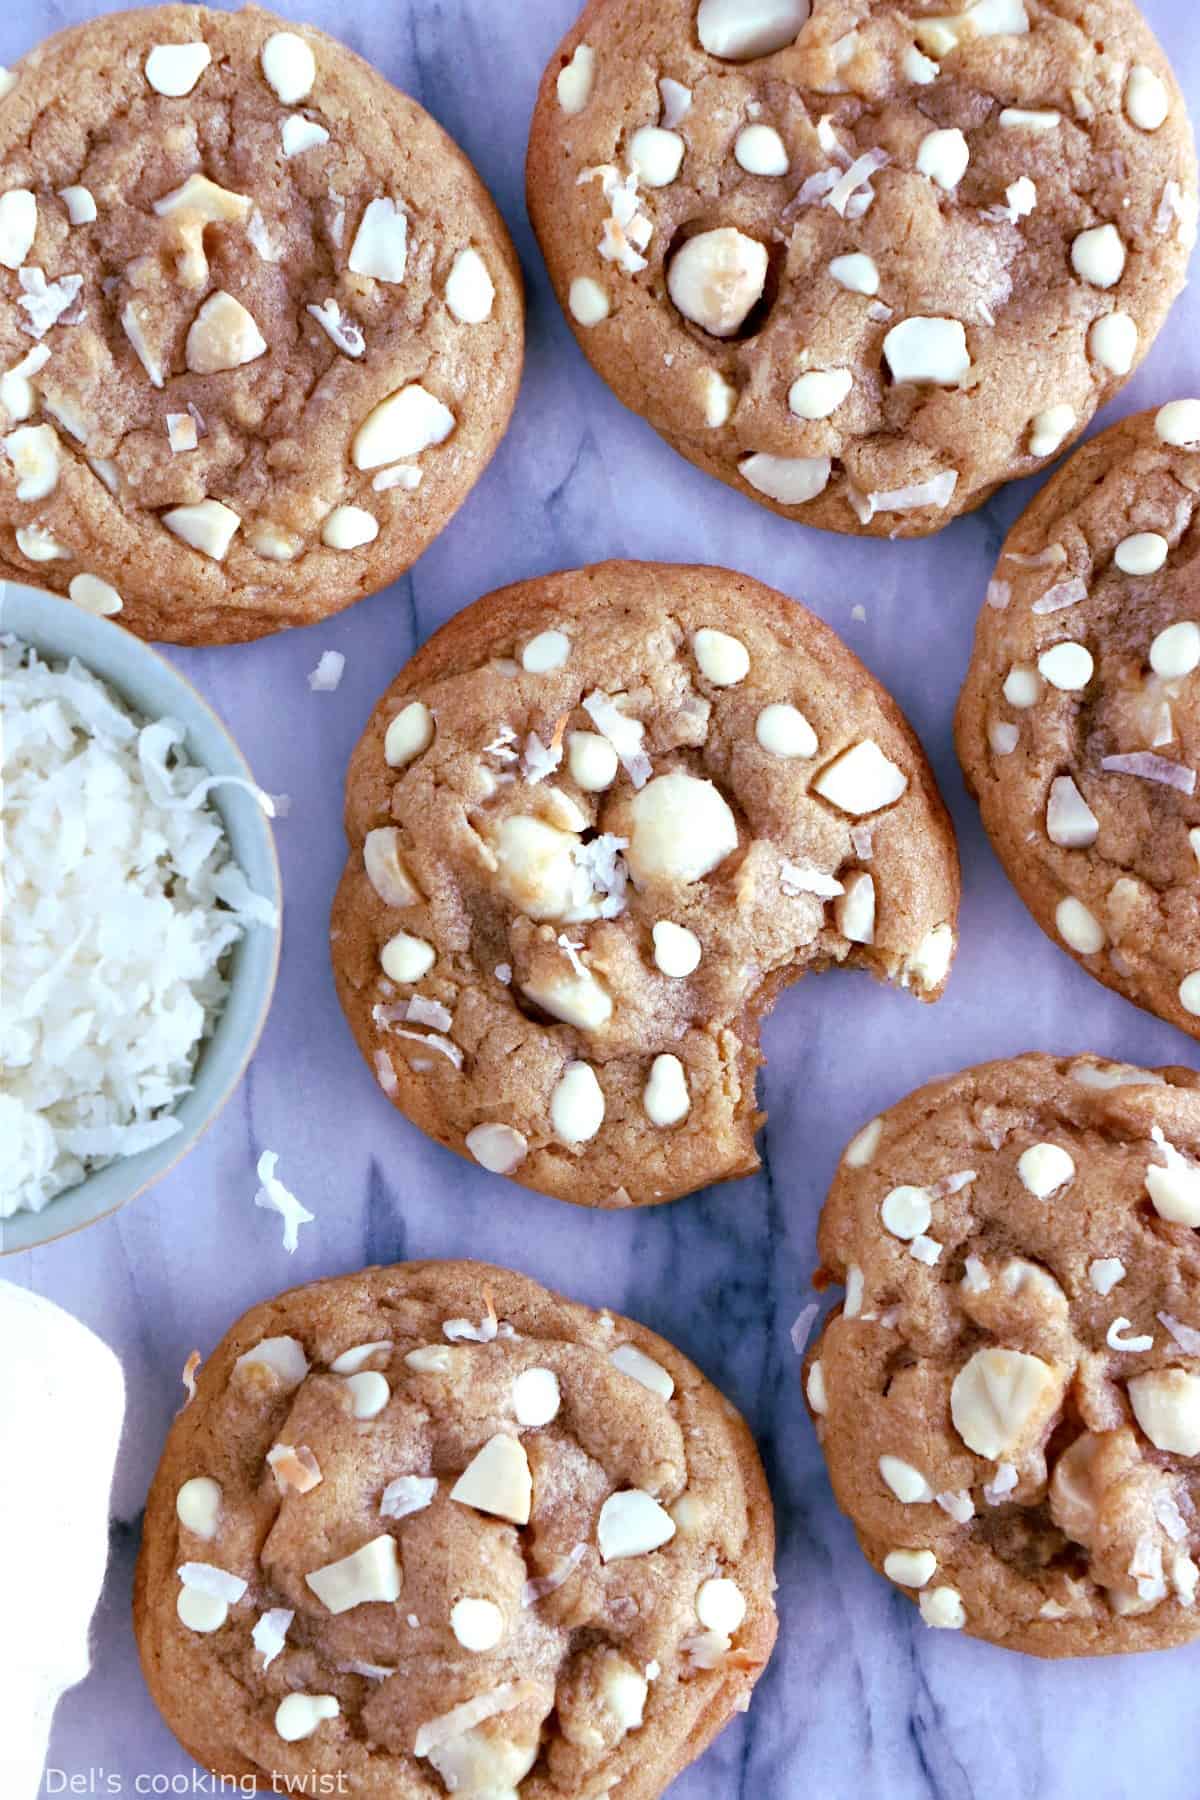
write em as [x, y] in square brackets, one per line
[1166, 1404]
[681, 829]
[819, 392]
[930, 962]
[298, 134]
[385, 869]
[1019, 118]
[814, 1389]
[721, 659]
[282, 1357]
[907, 1483]
[1178, 424]
[655, 155]
[918, 69]
[201, 1612]
[942, 1608]
[1022, 687]
[408, 735]
[369, 1393]
[1068, 667]
[498, 1148]
[782, 730]
[406, 959]
[223, 335]
[477, 1624]
[33, 451]
[94, 595]
[1044, 1168]
[574, 84]
[666, 1097]
[209, 526]
[1070, 821]
[18, 226]
[174, 69]
[855, 1292]
[676, 949]
[39, 545]
[1098, 256]
[624, 1690]
[1049, 430]
[642, 1368]
[1174, 1185]
[349, 528]
[1001, 1400]
[18, 395]
[760, 150]
[1079, 928]
[906, 1212]
[198, 1506]
[857, 273]
[1146, 101]
[717, 278]
[720, 1605]
[909, 1568]
[1143, 553]
[298, 1715]
[403, 425]
[380, 247]
[860, 1151]
[718, 399]
[789, 480]
[1175, 652]
[587, 301]
[591, 761]
[548, 650]
[943, 156]
[497, 1481]
[289, 66]
[371, 1573]
[536, 1398]
[928, 350]
[470, 291]
[742, 30]
[632, 1523]
[577, 1104]
[1113, 341]
[861, 780]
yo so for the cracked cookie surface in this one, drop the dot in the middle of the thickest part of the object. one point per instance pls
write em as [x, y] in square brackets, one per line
[1009, 1397]
[260, 323]
[1078, 727]
[434, 1529]
[596, 825]
[864, 264]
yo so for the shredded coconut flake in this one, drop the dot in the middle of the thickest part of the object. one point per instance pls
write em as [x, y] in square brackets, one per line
[385, 1074]
[603, 868]
[1061, 595]
[958, 1503]
[1001, 1484]
[540, 1585]
[188, 1376]
[1166, 1511]
[121, 908]
[857, 177]
[328, 672]
[999, 593]
[45, 302]
[796, 879]
[541, 760]
[862, 837]
[1049, 558]
[1149, 767]
[802, 1326]
[274, 1197]
[205, 1578]
[935, 490]
[407, 1494]
[464, 1718]
[1186, 1336]
[270, 1633]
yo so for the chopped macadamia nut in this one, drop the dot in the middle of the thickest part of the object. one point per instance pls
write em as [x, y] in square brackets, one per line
[34, 453]
[860, 1151]
[409, 735]
[289, 66]
[790, 480]
[910, 1568]
[1166, 1404]
[349, 528]
[1001, 1400]
[856, 272]
[497, 1481]
[1078, 927]
[819, 392]
[743, 30]
[298, 134]
[386, 870]
[209, 527]
[369, 1574]
[717, 278]
[861, 780]
[380, 247]
[632, 1523]
[80, 204]
[927, 350]
[403, 425]
[18, 226]
[642, 1368]
[498, 1148]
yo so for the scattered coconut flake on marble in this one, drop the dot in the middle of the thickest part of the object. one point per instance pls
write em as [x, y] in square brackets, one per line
[1149, 767]
[270, 1633]
[328, 672]
[205, 1578]
[802, 1326]
[274, 1197]
[121, 908]
[538, 1586]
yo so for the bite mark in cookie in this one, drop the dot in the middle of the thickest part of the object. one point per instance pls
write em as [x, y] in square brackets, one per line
[596, 826]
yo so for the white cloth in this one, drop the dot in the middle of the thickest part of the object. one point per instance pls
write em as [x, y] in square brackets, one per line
[62, 1401]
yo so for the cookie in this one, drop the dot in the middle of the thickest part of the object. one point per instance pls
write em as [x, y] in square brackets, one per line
[1008, 1397]
[596, 825]
[1079, 724]
[433, 1529]
[260, 323]
[864, 265]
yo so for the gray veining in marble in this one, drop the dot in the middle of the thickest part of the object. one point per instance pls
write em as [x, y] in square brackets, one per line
[861, 1700]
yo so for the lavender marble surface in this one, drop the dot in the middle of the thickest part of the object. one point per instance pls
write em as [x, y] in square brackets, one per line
[861, 1700]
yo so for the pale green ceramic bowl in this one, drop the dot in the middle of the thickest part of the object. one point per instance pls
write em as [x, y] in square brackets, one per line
[57, 630]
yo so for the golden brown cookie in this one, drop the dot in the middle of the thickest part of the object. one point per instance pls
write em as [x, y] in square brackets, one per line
[596, 826]
[1079, 724]
[433, 1529]
[1009, 1396]
[260, 323]
[863, 265]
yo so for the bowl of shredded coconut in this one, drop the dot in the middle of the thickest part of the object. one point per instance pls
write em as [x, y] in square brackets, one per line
[139, 935]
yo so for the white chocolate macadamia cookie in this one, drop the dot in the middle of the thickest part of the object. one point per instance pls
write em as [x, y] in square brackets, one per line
[1079, 724]
[1009, 1400]
[260, 323]
[541, 1569]
[596, 825]
[863, 261]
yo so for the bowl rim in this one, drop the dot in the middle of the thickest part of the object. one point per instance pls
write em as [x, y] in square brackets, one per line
[97, 632]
